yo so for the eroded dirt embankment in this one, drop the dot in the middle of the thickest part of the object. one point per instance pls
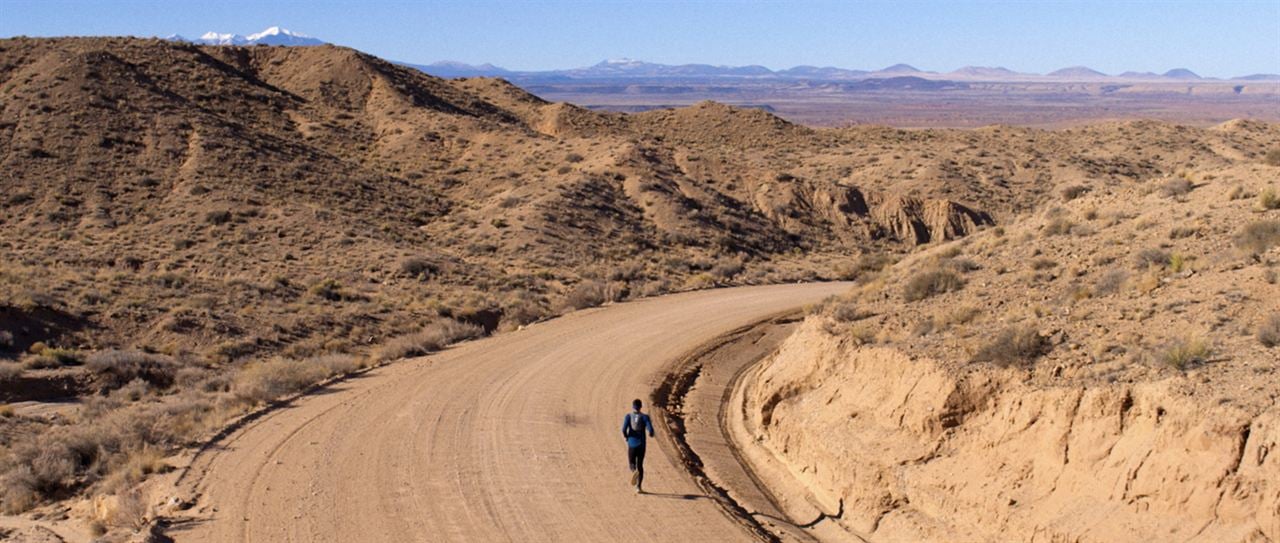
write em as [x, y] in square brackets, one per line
[916, 452]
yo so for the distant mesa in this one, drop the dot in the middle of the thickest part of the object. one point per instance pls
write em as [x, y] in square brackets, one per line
[1260, 77]
[900, 69]
[1077, 71]
[272, 36]
[1181, 73]
[985, 71]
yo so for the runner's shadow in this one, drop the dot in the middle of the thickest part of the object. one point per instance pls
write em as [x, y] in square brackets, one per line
[677, 496]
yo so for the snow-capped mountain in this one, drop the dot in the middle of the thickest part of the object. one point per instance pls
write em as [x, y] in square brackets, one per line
[271, 36]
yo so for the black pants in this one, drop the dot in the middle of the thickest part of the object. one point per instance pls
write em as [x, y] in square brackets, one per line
[635, 458]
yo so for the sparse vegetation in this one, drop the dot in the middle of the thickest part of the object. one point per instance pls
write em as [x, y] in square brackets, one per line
[1272, 158]
[1269, 331]
[586, 294]
[1013, 346]
[931, 283]
[1176, 187]
[1258, 237]
[431, 338]
[1072, 192]
[1183, 353]
[1268, 199]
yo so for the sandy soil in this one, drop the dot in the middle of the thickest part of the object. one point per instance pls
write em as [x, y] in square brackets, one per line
[510, 438]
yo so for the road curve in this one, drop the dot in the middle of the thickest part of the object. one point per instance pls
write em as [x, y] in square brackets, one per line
[511, 438]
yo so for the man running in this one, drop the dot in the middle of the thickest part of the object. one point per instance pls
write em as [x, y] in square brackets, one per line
[634, 426]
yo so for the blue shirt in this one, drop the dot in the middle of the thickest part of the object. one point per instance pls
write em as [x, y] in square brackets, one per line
[636, 440]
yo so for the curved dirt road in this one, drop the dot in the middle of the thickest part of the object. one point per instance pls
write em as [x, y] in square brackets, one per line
[512, 438]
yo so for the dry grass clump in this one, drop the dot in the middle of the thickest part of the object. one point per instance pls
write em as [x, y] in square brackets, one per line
[1269, 331]
[865, 265]
[931, 283]
[419, 268]
[1151, 258]
[1176, 187]
[270, 380]
[1058, 226]
[586, 294]
[1110, 282]
[1257, 237]
[116, 368]
[433, 337]
[1182, 353]
[1016, 345]
[1268, 200]
[1074, 191]
[1272, 158]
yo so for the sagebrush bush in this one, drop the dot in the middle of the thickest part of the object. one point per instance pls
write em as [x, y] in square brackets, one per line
[1269, 331]
[1151, 258]
[1017, 345]
[1268, 200]
[1074, 191]
[420, 268]
[586, 294]
[1175, 187]
[115, 368]
[864, 265]
[931, 283]
[1182, 353]
[1110, 282]
[1258, 237]
[433, 337]
[1272, 158]
[276, 378]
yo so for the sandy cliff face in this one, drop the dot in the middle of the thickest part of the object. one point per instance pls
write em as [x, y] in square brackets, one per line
[917, 451]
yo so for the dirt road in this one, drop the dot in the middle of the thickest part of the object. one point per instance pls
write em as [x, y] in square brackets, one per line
[513, 438]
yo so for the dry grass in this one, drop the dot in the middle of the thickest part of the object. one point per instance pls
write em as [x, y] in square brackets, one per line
[1269, 331]
[1183, 353]
[586, 294]
[931, 283]
[1013, 346]
[1258, 237]
[1268, 199]
[431, 338]
[1176, 187]
[116, 368]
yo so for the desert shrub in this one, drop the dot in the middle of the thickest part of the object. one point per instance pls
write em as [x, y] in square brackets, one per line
[1259, 236]
[1269, 331]
[1176, 187]
[1017, 345]
[337, 363]
[573, 158]
[586, 294]
[845, 310]
[420, 268]
[329, 289]
[1182, 353]
[1058, 226]
[930, 283]
[117, 368]
[1041, 264]
[1151, 258]
[9, 371]
[49, 357]
[221, 216]
[276, 378]
[1268, 200]
[1180, 232]
[523, 308]
[431, 338]
[727, 269]
[864, 265]
[1110, 282]
[1074, 191]
[1272, 158]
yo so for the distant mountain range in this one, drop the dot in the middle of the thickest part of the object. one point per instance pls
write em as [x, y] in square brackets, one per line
[625, 68]
[271, 36]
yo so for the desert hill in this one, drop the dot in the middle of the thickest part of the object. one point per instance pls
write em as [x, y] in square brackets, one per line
[213, 208]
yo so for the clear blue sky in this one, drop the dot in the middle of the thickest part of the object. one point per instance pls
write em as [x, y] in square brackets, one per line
[1213, 38]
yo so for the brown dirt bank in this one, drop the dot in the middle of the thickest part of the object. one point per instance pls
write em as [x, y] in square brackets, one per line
[918, 452]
